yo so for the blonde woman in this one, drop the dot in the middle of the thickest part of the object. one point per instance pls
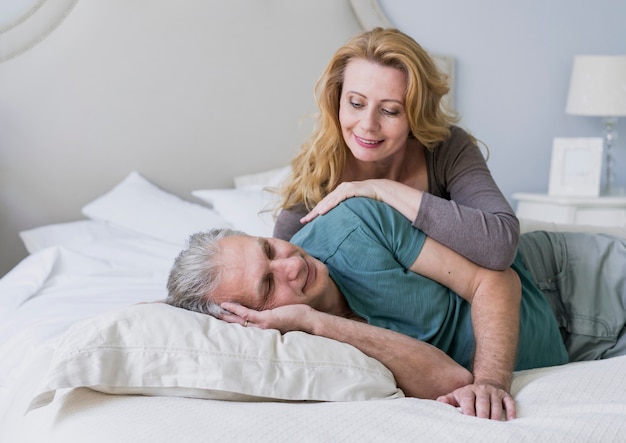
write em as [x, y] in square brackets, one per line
[382, 133]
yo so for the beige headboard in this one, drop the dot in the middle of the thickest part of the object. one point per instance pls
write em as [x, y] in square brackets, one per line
[187, 93]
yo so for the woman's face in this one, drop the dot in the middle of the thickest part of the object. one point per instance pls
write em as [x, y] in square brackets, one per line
[372, 111]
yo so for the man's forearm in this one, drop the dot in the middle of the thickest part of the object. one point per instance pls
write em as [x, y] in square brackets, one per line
[495, 319]
[420, 369]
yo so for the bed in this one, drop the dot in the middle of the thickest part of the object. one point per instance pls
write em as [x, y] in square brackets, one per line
[85, 354]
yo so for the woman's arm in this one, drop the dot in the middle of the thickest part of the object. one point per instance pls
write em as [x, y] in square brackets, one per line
[464, 208]
[288, 222]
[488, 239]
[420, 370]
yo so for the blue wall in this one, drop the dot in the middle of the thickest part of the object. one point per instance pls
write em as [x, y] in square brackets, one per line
[513, 62]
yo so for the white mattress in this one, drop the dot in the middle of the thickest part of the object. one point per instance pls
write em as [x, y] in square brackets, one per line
[578, 402]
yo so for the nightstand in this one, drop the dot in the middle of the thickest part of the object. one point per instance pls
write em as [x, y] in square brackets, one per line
[596, 211]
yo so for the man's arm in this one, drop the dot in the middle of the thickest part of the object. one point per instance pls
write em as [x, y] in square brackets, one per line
[495, 298]
[421, 370]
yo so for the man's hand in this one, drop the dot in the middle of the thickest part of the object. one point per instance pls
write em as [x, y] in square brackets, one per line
[482, 400]
[285, 318]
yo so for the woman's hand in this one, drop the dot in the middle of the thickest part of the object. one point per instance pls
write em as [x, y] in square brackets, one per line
[345, 190]
[400, 196]
[285, 318]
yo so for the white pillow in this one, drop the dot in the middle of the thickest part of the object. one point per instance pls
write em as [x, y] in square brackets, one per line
[140, 206]
[156, 349]
[271, 178]
[249, 209]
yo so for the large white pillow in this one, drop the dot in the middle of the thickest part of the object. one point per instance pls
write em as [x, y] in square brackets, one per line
[247, 209]
[156, 349]
[140, 206]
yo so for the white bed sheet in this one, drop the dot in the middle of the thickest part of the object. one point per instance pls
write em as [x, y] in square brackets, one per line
[79, 270]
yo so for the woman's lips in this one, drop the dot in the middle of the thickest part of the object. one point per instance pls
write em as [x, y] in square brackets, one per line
[367, 143]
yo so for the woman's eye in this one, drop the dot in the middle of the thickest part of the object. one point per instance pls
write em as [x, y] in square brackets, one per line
[269, 252]
[390, 112]
[356, 105]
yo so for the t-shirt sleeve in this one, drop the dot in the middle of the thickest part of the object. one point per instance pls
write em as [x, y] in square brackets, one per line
[364, 230]
[388, 228]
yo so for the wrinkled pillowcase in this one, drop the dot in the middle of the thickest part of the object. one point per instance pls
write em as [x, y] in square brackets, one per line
[250, 206]
[249, 209]
[156, 349]
[137, 205]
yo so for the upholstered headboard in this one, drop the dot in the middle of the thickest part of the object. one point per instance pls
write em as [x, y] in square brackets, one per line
[187, 93]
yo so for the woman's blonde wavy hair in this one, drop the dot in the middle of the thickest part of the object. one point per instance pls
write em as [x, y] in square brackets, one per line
[317, 168]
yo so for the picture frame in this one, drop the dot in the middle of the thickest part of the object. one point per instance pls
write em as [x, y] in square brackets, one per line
[576, 166]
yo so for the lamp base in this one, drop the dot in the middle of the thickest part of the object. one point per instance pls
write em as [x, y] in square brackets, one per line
[609, 178]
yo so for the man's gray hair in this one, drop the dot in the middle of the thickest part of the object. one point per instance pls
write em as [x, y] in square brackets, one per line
[197, 271]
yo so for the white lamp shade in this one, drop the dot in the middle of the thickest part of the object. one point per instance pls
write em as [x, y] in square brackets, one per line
[598, 86]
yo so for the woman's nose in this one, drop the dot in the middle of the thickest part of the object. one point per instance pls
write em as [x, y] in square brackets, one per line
[369, 120]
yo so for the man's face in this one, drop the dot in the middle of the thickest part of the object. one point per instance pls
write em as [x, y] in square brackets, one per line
[265, 273]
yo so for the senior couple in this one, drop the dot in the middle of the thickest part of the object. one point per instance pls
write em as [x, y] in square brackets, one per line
[447, 328]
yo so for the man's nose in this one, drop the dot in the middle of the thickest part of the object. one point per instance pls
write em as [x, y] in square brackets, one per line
[289, 268]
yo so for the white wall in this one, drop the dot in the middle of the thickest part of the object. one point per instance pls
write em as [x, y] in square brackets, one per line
[513, 67]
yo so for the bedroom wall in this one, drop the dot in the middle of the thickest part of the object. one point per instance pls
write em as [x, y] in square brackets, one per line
[513, 63]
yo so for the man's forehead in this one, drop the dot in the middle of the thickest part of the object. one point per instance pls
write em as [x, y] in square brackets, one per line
[237, 282]
[237, 246]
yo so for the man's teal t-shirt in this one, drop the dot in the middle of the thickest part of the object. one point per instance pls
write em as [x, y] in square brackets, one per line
[368, 247]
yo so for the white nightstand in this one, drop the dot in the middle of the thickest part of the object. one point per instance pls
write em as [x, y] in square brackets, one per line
[596, 211]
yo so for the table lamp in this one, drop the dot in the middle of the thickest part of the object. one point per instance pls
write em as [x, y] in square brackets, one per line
[598, 88]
